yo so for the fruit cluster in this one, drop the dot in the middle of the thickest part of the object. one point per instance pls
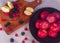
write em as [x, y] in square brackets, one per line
[11, 9]
[48, 25]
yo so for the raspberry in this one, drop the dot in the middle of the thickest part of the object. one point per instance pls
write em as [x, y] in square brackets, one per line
[23, 41]
[7, 13]
[0, 28]
[3, 19]
[16, 35]
[33, 41]
[26, 29]
[26, 38]
[15, 15]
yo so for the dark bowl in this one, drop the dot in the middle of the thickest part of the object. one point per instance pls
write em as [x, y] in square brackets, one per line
[33, 29]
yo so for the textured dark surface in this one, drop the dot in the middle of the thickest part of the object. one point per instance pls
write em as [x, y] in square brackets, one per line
[33, 29]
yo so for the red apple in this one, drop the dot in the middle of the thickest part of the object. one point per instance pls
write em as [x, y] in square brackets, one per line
[52, 34]
[51, 18]
[44, 25]
[44, 14]
[56, 14]
[42, 34]
[54, 27]
[59, 24]
[38, 23]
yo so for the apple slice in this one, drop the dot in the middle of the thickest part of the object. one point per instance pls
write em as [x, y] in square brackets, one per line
[10, 4]
[5, 9]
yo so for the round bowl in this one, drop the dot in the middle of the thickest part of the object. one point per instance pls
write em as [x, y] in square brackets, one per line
[36, 16]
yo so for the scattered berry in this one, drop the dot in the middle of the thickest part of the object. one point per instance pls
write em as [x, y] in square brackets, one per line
[0, 28]
[26, 29]
[26, 38]
[15, 15]
[7, 24]
[10, 29]
[22, 33]
[11, 40]
[23, 41]
[14, 3]
[3, 19]
[16, 35]
[18, 5]
[33, 41]
[14, 11]
[21, 22]
[7, 13]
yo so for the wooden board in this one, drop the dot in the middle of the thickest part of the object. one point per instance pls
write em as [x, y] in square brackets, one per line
[14, 23]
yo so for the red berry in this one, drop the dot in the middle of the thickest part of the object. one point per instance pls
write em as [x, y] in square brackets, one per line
[16, 35]
[26, 38]
[33, 41]
[23, 41]
[18, 5]
[54, 27]
[44, 14]
[14, 3]
[0, 28]
[42, 34]
[52, 34]
[7, 13]
[26, 29]
[3, 19]
[38, 23]
[15, 15]
[10, 29]
[51, 18]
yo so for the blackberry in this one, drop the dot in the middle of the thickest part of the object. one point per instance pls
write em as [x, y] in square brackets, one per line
[7, 24]
[21, 22]
[11, 40]
[11, 16]
[15, 6]
[14, 10]
[22, 33]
